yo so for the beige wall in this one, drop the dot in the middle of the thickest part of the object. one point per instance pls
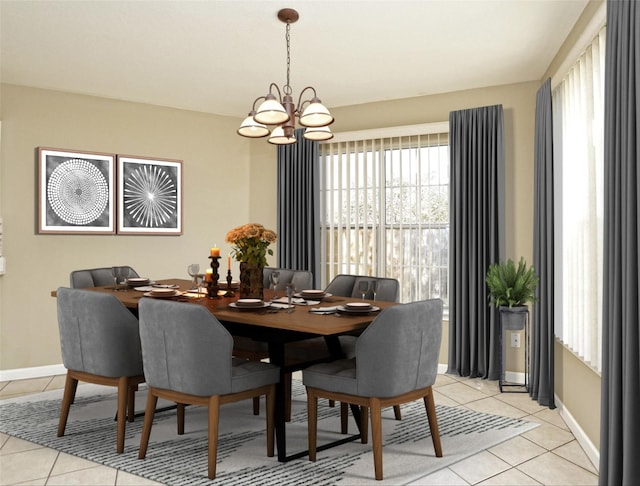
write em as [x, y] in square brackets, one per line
[216, 175]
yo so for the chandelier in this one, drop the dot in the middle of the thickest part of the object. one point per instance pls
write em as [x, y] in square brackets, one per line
[277, 107]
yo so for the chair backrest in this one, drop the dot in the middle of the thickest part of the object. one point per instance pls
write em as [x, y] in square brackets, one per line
[301, 279]
[345, 285]
[184, 348]
[398, 352]
[98, 334]
[94, 277]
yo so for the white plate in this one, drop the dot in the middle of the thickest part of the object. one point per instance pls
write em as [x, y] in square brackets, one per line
[249, 302]
[235, 305]
[358, 306]
[163, 295]
[138, 281]
[144, 288]
[373, 308]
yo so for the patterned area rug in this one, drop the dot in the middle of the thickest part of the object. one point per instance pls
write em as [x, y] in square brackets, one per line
[182, 460]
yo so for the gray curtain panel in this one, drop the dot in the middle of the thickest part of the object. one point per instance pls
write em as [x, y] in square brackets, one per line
[620, 417]
[542, 335]
[476, 239]
[298, 205]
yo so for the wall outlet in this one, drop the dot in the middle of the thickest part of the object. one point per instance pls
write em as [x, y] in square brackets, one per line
[515, 339]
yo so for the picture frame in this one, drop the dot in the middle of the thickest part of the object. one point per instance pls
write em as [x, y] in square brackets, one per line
[76, 192]
[149, 196]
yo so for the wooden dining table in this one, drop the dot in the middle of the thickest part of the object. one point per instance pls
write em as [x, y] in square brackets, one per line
[276, 328]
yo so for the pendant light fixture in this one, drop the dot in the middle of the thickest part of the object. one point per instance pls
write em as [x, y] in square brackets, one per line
[277, 107]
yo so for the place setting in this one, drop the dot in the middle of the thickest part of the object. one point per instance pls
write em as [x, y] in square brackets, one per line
[249, 304]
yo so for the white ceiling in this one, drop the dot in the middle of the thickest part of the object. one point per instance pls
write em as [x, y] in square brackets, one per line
[218, 56]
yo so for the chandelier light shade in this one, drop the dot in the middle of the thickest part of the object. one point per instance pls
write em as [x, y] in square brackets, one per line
[278, 109]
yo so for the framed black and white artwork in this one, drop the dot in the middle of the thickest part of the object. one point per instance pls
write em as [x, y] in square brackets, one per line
[76, 192]
[149, 196]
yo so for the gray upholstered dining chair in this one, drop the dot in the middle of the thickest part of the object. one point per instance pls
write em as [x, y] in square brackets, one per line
[345, 285]
[187, 357]
[396, 362]
[94, 277]
[301, 279]
[100, 344]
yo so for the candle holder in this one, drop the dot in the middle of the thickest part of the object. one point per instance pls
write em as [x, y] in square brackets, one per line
[229, 292]
[212, 286]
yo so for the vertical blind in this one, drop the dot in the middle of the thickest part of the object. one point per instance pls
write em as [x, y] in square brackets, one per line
[580, 136]
[384, 210]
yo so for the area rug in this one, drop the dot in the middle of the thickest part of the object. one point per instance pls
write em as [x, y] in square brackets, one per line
[182, 460]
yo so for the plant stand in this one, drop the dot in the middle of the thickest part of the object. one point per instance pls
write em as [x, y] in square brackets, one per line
[512, 319]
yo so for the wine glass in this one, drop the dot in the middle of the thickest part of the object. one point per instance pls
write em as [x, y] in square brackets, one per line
[374, 288]
[193, 270]
[274, 278]
[363, 286]
[120, 274]
[290, 291]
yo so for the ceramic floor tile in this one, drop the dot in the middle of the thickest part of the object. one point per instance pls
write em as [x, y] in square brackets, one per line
[34, 482]
[56, 382]
[13, 445]
[549, 436]
[551, 470]
[496, 407]
[443, 379]
[511, 477]
[461, 393]
[479, 467]
[26, 466]
[22, 387]
[68, 463]
[126, 479]
[440, 399]
[94, 476]
[520, 400]
[574, 453]
[551, 416]
[517, 450]
[488, 387]
[443, 477]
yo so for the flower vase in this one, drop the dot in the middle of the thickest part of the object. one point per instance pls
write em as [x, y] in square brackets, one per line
[251, 281]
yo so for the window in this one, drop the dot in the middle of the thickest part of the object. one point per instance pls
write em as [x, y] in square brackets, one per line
[578, 104]
[384, 202]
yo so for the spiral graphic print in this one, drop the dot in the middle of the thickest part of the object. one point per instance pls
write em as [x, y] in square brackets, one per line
[77, 192]
[150, 196]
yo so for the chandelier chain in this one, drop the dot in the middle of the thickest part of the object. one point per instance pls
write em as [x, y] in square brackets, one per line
[287, 87]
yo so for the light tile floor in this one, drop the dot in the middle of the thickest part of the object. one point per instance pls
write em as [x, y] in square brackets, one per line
[548, 454]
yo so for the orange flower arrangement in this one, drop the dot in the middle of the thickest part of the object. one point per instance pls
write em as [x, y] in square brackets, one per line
[251, 243]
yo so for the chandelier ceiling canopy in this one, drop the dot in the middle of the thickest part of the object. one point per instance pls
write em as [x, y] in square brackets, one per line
[277, 107]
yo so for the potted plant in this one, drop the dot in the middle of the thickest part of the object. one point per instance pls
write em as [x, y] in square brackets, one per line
[510, 289]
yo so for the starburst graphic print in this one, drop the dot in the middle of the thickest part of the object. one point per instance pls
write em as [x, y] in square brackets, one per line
[151, 196]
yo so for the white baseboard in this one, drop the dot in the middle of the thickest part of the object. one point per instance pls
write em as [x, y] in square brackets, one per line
[589, 448]
[35, 372]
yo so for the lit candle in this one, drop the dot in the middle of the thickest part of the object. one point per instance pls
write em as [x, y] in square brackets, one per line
[229, 262]
[215, 251]
[208, 275]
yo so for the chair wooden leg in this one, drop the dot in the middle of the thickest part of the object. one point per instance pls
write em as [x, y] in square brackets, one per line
[70, 387]
[149, 412]
[364, 424]
[376, 436]
[332, 403]
[214, 417]
[180, 418]
[256, 405]
[312, 423]
[271, 402]
[396, 412]
[344, 417]
[430, 406]
[123, 398]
